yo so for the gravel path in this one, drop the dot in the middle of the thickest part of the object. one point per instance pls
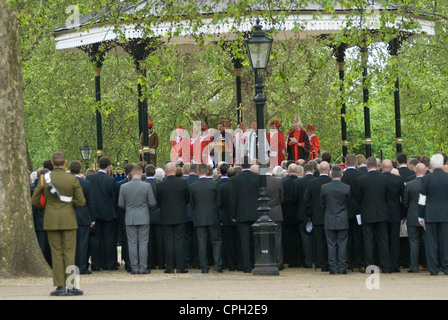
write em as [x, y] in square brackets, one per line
[291, 284]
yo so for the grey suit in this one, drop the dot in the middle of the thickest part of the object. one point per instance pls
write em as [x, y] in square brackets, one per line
[137, 198]
[274, 188]
[415, 230]
[334, 200]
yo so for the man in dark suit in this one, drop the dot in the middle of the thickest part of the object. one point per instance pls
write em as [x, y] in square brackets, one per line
[316, 214]
[394, 196]
[403, 169]
[405, 172]
[222, 170]
[244, 204]
[335, 199]
[231, 245]
[361, 163]
[156, 254]
[191, 239]
[355, 246]
[433, 215]
[275, 193]
[85, 217]
[292, 248]
[105, 191]
[372, 197]
[203, 200]
[416, 233]
[306, 239]
[172, 197]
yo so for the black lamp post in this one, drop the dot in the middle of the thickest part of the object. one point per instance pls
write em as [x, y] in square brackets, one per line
[86, 153]
[259, 48]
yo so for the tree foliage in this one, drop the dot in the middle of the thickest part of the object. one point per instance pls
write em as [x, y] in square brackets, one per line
[181, 88]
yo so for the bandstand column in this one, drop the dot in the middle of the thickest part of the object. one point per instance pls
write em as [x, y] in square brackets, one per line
[393, 47]
[365, 95]
[97, 53]
[139, 49]
[340, 59]
[239, 100]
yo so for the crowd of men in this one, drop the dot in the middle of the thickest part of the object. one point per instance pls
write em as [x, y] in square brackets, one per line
[390, 213]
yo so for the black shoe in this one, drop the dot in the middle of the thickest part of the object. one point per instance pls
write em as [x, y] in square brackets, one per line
[134, 272]
[293, 265]
[182, 271]
[146, 271]
[168, 271]
[60, 291]
[112, 269]
[86, 272]
[219, 270]
[204, 271]
[74, 292]
[343, 272]
[412, 271]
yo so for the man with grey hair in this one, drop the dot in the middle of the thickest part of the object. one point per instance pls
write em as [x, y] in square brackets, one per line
[433, 215]
[137, 198]
[290, 224]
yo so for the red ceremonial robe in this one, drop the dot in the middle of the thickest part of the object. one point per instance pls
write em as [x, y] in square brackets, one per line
[277, 145]
[296, 150]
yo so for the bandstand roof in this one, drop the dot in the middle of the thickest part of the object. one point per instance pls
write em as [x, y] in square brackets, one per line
[300, 21]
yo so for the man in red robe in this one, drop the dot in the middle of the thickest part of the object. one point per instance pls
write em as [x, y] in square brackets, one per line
[277, 144]
[314, 142]
[181, 147]
[296, 142]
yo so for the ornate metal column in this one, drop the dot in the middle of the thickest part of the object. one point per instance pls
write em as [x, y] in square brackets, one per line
[238, 65]
[139, 49]
[96, 53]
[393, 47]
[365, 94]
[340, 59]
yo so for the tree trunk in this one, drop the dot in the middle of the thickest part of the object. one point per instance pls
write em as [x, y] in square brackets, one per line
[19, 251]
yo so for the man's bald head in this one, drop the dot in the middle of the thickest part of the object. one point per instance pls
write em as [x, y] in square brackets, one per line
[420, 169]
[292, 169]
[386, 165]
[324, 167]
[170, 168]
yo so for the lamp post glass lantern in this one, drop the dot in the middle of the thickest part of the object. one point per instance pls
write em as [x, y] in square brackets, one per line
[86, 153]
[258, 49]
